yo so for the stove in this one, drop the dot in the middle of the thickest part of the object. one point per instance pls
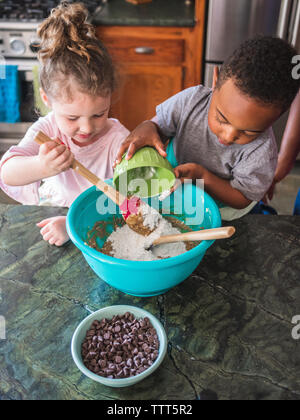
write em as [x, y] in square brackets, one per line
[19, 20]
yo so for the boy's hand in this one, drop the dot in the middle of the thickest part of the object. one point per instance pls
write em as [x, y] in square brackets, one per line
[55, 158]
[146, 134]
[189, 171]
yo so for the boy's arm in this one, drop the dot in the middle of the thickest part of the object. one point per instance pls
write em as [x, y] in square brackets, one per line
[218, 188]
[163, 126]
[146, 134]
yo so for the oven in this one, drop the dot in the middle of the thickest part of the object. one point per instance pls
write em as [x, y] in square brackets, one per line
[17, 47]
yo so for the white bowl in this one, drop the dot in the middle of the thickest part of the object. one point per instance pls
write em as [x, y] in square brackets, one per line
[108, 313]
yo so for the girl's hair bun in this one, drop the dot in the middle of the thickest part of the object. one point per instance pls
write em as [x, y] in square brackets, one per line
[71, 52]
[67, 28]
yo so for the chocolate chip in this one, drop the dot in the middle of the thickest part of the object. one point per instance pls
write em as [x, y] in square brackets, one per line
[120, 348]
[102, 363]
[118, 359]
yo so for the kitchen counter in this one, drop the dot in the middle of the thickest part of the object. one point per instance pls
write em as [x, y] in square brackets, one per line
[157, 13]
[229, 325]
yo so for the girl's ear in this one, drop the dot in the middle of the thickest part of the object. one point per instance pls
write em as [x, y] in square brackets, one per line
[45, 98]
[216, 77]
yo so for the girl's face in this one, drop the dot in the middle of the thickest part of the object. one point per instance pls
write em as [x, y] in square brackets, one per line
[84, 119]
[236, 119]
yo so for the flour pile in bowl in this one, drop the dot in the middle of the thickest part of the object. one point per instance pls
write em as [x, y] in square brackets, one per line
[126, 244]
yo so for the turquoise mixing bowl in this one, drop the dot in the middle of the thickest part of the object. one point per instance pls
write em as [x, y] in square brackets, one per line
[142, 278]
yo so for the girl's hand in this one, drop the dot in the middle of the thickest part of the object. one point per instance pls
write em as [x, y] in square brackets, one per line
[146, 134]
[54, 230]
[189, 171]
[55, 158]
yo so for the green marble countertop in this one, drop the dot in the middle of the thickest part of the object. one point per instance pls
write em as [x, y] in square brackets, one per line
[156, 13]
[229, 325]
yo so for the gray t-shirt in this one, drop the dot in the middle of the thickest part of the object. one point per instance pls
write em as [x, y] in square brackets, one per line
[250, 168]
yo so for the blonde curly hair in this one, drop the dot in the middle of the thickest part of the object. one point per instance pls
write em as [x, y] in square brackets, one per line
[70, 52]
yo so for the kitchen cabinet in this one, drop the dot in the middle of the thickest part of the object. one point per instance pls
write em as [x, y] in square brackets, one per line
[153, 63]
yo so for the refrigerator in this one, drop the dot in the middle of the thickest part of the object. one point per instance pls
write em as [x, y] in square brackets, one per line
[231, 22]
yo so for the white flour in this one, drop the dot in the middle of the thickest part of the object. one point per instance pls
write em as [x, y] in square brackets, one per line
[151, 216]
[129, 245]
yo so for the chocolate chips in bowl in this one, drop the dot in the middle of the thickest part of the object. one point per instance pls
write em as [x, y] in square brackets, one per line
[119, 346]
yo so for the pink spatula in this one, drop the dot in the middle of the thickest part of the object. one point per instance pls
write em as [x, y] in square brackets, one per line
[134, 210]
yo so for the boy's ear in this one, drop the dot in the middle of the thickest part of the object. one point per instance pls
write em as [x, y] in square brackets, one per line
[215, 77]
[45, 98]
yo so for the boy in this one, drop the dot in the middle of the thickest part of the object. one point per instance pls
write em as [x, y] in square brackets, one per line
[224, 135]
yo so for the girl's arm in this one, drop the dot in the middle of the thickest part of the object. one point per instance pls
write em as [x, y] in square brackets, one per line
[22, 170]
[53, 158]
[218, 188]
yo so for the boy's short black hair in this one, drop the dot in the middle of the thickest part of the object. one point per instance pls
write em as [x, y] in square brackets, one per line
[262, 69]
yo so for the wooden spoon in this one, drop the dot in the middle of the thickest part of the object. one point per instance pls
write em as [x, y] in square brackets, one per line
[133, 209]
[201, 235]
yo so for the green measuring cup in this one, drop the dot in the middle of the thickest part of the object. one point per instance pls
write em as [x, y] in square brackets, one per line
[147, 174]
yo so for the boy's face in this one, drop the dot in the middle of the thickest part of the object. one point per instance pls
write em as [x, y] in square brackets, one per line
[236, 118]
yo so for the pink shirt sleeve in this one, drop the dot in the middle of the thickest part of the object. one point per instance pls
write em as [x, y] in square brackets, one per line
[27, 194]
[64, 188]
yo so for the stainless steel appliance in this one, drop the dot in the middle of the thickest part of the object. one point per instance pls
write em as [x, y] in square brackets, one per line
[19, 20]
[231, 22]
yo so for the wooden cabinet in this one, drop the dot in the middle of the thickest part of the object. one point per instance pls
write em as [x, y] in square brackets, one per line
[153, 64]
[142, 89]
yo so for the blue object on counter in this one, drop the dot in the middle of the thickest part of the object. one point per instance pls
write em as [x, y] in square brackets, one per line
[297, 205]
[9, 95]
[262, 208]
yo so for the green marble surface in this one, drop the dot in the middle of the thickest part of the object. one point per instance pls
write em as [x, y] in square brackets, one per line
[156, 13]
[229, 325]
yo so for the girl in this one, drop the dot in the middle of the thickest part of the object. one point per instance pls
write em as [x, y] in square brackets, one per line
[77, 81]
